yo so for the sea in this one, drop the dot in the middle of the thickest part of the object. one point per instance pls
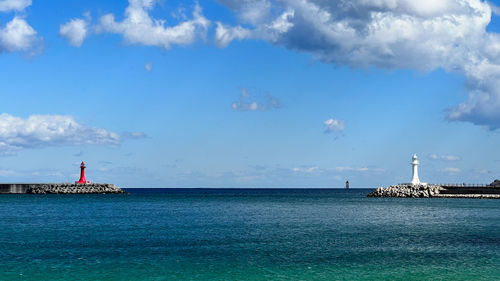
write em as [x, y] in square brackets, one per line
[247, 234]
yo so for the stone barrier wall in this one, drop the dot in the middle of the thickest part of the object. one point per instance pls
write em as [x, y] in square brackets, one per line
[430, 190]
[407, 190]
[72, 188]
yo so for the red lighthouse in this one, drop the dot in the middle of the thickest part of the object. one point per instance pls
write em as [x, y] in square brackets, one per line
[82, 175]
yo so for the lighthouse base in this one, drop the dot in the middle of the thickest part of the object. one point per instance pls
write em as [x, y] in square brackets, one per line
[82, 182]
[417, 183]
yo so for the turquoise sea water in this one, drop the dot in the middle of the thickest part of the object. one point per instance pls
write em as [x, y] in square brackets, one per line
[247, 235]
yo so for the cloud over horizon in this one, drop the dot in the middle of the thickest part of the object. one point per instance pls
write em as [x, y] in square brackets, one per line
[39, 131]
[451, 170]
[397, 34]
[434, 156]
[338, 169]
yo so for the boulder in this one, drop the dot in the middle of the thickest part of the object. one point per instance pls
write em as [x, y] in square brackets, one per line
[495, 183]
[73, 188]
[406, 190]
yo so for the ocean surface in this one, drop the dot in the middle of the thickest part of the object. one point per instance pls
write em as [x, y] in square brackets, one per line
[249, 234]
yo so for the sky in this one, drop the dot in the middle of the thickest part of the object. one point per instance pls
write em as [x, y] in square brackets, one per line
[252, 93]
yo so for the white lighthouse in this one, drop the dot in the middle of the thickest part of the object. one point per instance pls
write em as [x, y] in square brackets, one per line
[414, 163]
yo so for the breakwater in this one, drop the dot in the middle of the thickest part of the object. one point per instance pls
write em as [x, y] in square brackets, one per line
[406, 190]
[58, 188]
[491, 191]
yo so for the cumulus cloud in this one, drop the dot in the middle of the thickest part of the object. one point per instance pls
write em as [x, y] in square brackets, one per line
[254, 11]
[249, 102]
[270, 31]
[334, 125]
[389, 34]
[226, 34]
[38, 131]
[443, 157]
[19, 36]
[76, 30]
[138, 27]
[14, 5]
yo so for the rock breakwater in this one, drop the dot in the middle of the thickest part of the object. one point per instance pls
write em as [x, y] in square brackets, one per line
[407, 190]
[71, 188]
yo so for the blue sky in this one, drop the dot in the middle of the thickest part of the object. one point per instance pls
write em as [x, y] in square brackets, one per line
[249, 93]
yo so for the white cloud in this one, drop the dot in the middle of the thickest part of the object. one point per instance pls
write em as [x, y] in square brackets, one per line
[359, 169]
[307, 170]
[390, 34]
[14, 5]
[339, 169]
[44, 174]
[334, 125]
[39, 131]
[443, 157]
[494, 8]
[138, 27]
[254, 11]
[148, 66]
[482, 171]
[270, 31]
[18, 35]
[7, 173]
[248, 102]
[451, 170]
[76, 30]
[226, 34]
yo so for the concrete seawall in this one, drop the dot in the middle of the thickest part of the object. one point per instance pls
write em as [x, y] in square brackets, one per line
[58, 188]
[471, 190]
[15, 188]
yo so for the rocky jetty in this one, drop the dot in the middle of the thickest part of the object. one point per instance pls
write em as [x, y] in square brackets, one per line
[72, 188]
[489, 191]
[407, 190]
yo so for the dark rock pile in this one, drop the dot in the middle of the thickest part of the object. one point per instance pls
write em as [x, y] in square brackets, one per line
[407, 190]
[73, 188]
[495, 183]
